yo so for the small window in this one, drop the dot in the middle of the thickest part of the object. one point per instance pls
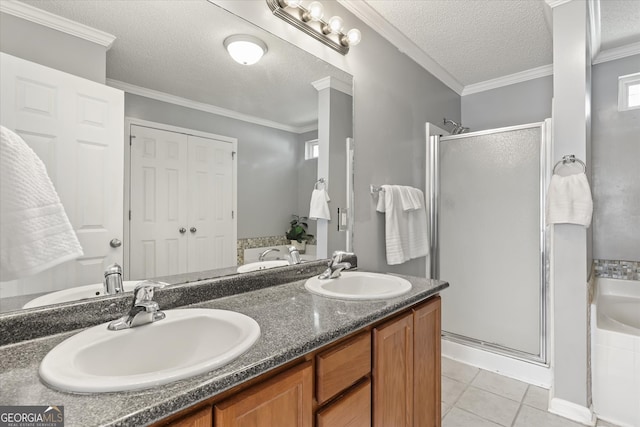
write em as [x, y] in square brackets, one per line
[629, 92]
[311, 149]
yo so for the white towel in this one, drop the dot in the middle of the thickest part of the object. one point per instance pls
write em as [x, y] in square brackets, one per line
[569, 200]
[35, 232]
[318, 207]
[405, 225]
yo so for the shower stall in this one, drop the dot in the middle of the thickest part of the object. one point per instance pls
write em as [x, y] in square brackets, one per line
[487, 201]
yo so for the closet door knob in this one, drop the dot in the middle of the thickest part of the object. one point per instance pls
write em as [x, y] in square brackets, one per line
[193, 229]
[182, 230]
[115, 243]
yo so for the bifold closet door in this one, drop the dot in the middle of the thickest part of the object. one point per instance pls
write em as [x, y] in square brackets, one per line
[490, 237]
[212, 241]
[159, 197]
[182, 192]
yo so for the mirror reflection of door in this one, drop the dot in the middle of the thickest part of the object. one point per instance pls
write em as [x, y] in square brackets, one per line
[182, 215]
[75, 127]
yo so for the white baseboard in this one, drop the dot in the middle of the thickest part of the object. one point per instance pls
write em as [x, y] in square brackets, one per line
[520, 370]
[572, 411]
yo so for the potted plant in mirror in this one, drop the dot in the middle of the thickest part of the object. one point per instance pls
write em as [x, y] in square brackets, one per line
[297, 233]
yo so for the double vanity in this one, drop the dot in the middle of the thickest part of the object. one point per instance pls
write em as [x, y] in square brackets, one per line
[358, 348]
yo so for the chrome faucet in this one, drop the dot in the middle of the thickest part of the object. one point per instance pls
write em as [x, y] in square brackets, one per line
[294, 256]
[112, 281]
[263, 254]
[143, 310]
[336, 265]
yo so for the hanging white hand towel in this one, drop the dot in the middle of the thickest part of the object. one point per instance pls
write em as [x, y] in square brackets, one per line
[418, 235]
[319, 207]
[405, 225]
[35, 232]
[569, 200]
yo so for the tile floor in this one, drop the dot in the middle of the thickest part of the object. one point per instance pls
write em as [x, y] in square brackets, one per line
[473, 397]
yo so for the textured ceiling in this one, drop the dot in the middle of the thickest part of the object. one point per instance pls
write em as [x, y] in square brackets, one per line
[620, 23]
[175, 46]
[475, 40]
[480, 40]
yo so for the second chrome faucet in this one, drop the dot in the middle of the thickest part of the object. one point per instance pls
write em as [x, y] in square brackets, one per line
[336, 265]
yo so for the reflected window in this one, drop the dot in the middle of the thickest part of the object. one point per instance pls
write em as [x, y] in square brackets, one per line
[311, 149]
[629, 92]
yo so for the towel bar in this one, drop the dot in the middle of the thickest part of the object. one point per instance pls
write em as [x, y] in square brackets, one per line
[375, 190]
[569, 158]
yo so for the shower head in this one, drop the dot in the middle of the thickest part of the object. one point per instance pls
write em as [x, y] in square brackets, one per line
[457, 127]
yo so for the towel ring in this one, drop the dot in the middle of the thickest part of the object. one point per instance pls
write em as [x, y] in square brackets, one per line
[569, 158]
[318, 182]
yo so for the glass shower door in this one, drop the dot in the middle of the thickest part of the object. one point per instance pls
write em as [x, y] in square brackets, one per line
[490, 239]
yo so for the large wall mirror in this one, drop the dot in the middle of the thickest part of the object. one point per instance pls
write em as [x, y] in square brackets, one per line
[169, 58]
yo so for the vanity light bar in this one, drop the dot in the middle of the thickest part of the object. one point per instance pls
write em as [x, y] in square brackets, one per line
[310, 21]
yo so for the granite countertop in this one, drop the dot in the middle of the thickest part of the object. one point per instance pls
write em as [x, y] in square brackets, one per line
[293, 322]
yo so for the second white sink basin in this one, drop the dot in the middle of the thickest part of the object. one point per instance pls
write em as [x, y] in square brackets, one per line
[187, 342]
[359, 285]
[262, 265]
[76, 293]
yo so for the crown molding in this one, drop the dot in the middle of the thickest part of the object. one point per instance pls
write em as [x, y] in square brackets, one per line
[556, 3]
[372, 18]
[522, 76]
[333, 83]
[47, 19]
[201, 106]
[617, 53]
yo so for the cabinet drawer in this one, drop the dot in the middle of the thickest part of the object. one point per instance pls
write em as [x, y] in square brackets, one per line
[352, 410]
[342, 366]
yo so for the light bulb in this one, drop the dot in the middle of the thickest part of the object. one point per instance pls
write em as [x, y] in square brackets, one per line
[293, 3]
[335, 24]
[353, 37]
[316, 11]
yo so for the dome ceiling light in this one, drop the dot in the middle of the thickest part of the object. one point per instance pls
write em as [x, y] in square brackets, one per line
[245, 49]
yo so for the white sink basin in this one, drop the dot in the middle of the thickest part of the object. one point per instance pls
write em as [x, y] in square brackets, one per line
[262, 265]
[187, 342]
[356, 285]
[77, 293]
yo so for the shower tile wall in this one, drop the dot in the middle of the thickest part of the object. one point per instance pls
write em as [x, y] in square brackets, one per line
[614, 269]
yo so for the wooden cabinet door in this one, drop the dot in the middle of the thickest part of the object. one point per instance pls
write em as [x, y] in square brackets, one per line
[426, 364]
[201, 418]
[352, 410]
[393, 373]
[283, 401]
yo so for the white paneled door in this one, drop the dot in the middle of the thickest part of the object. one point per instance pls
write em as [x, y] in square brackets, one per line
[75, 126]
[182, 193]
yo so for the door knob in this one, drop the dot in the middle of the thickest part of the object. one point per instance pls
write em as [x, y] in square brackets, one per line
[115, 243]
[193, 229]
[182, 230]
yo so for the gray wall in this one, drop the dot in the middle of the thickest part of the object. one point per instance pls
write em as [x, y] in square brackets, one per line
[55, 49]
[267, 162]
[393, 98]
[516, 104]
[615, 157]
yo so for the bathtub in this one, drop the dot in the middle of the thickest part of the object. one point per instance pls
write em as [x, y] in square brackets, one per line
[615, 351]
